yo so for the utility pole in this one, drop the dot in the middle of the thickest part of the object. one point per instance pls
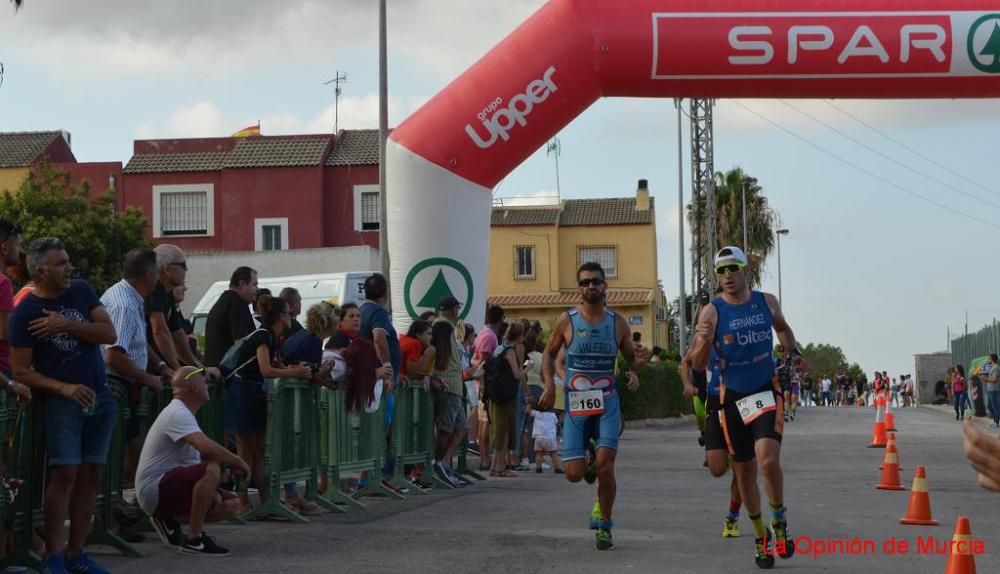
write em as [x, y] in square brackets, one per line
[554, 148]
[703, 199]
[682, 301]
[340, 78]
[383, 134]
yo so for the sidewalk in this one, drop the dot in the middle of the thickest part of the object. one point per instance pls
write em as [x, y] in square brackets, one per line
[949, 410]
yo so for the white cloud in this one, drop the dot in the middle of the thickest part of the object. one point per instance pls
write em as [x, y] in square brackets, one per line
[205, 119]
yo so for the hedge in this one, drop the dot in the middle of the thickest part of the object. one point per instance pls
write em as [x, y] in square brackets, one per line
[660, 393]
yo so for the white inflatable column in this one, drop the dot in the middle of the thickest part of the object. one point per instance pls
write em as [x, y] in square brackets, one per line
[439, 227]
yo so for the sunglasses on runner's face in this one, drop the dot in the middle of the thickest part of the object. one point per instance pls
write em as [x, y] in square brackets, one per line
[595, 281]
[730, 268]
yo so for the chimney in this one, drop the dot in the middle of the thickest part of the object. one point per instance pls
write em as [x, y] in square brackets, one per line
[642, 196]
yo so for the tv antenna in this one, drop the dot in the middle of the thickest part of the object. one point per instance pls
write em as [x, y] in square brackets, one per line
[337, 81]
[554, 148]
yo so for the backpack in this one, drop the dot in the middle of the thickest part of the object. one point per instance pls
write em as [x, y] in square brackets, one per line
[498, 378]
[228, 364]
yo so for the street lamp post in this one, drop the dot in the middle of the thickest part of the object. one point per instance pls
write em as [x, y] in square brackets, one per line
[779, 233]
[747, 182]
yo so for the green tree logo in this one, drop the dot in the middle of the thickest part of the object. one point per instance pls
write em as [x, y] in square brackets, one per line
[985, 56]
[419, 298]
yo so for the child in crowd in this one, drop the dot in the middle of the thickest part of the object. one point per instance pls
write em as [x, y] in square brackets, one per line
[544, 433]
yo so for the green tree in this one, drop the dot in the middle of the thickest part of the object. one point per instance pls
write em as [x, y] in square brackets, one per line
[824, 360]
[96, 237]
[992, 47]
[729, 220]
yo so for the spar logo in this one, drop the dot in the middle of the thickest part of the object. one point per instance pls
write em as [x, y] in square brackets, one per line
[498, 120]
[807, 45]
[431, 280]
[984, 44]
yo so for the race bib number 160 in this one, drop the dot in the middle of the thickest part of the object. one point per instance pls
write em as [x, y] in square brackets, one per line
[586, 403]
[755, 405]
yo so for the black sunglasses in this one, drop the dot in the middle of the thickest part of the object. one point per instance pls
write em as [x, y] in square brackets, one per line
[14, 230]
[730, 268]
[595, 281]
[183, 265]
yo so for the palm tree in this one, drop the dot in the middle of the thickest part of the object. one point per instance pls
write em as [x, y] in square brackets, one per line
[729, 220]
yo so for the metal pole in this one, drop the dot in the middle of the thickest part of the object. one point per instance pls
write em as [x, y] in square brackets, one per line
[383, 133]
[682, 303]
[744, 202]
[780, 298]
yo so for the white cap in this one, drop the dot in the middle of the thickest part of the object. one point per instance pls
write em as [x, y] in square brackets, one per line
[730, 255]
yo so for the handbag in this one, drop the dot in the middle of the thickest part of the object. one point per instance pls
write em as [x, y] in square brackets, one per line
[228, 364]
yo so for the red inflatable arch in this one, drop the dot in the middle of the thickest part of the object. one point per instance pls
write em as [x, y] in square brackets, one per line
[444, 160]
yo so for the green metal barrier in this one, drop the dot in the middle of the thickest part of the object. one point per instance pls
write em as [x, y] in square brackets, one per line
[110, 490]
[413, 435]
[210, 415]
[27, 462]
[351, 443]
[291, 449]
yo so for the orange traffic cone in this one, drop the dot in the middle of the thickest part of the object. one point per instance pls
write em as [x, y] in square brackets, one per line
[878, 431]
[890, 419]
[919, 510]
[960, 557]
[891, 442]
[890, 470]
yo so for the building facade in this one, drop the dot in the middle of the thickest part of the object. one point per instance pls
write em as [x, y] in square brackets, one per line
[259, 193]
[535, 252]
[22, 152]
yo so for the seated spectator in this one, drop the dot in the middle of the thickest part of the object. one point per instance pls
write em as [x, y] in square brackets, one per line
[179, 471]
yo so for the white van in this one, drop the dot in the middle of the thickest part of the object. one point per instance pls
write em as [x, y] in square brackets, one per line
[337, 288]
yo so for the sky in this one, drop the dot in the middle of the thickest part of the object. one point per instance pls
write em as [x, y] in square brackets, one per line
[891, 205]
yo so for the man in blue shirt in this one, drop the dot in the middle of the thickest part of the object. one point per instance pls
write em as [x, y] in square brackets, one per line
[739, 324]
[376, 326]
[55, 335]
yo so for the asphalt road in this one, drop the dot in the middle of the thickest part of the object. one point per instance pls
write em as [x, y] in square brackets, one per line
[667, 519]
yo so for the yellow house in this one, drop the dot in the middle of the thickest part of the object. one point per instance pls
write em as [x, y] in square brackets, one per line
[535, 252]
[20, 150]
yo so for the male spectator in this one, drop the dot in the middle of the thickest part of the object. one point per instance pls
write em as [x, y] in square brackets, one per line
[824, 386]
[376, 326]
[179, 472]
[450, 416]
[230, 319]
[10, 255]
[291, 296]
[165, 325]
[843, 383]
[55, 335]
[486, 344]
[128, 358]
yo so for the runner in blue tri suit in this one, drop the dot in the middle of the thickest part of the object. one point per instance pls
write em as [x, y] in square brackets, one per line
[739, 325]
[717, 457]
[592, 336]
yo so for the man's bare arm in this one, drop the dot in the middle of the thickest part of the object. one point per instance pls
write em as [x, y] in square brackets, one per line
[557, 341]
[700, 352]
[781, 327]
[164, 340]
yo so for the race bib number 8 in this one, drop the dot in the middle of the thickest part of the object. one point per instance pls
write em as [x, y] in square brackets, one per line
[586, 403]
[755, 405]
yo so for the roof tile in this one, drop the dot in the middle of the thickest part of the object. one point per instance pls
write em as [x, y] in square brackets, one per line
[21, 149]
[355, 147]
[616, 297]
[176, 162]
[508, 216]
[277, 152]
[614, 211]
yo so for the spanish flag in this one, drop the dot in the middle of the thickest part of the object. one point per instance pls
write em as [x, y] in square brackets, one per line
[247, 132]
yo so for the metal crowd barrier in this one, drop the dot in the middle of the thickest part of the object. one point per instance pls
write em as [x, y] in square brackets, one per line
[413, 435]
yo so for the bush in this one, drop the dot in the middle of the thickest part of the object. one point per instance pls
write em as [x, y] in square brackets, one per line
[660, 393]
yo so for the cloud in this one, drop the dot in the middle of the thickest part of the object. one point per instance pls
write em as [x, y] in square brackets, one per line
[97, 39]
[205, 119]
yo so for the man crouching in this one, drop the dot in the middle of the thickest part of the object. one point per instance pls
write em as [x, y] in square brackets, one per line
[178, 475]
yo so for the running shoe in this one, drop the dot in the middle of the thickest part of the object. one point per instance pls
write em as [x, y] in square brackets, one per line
[595, 516]
[701, 439]
[590, 474]
[82, 564]
[168, 529]
[55, 564]
[603, 536]
[730, 528]
[784, 544]
[763, 555]
[204, 545]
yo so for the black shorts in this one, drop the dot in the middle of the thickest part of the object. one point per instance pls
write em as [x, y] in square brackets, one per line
[740, 437]
[714, 438]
